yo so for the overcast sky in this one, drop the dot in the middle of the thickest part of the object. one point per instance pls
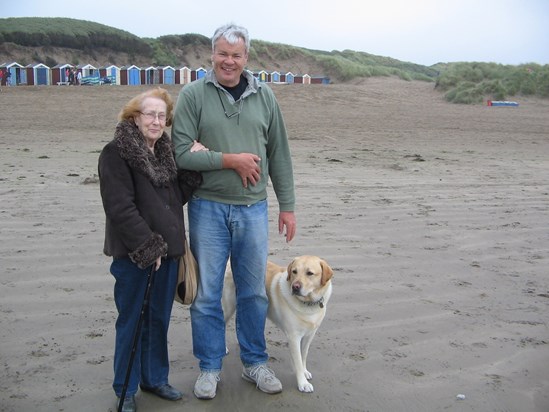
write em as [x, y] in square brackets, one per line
[421, 31]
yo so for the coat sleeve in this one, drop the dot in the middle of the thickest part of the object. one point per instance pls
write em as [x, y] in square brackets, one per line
[189, 181]
[118, 196]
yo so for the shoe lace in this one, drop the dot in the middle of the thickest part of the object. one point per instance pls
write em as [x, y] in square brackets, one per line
[261, 373]
[209, 377]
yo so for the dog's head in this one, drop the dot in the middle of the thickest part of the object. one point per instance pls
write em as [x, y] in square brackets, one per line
[308, 275]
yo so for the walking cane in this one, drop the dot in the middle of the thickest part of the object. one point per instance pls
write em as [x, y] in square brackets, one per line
[136, 337]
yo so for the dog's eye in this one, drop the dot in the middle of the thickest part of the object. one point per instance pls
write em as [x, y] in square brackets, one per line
[294, 271]
[309, 273]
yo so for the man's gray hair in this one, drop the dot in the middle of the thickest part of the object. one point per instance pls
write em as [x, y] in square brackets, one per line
[232, 33]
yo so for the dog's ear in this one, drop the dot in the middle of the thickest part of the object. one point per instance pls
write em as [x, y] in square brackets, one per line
[327, 272]
[289, 270]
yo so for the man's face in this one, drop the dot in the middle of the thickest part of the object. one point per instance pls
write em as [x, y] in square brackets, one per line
[229, 61]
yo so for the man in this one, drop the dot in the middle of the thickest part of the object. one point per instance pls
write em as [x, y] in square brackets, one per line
[243, 137]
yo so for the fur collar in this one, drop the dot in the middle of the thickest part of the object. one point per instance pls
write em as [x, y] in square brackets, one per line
[159, 167]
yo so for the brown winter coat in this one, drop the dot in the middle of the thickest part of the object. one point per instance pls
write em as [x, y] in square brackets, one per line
[142, 198]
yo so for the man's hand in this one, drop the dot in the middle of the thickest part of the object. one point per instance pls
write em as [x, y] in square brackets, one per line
[245, 164]
[287, 219]
[198, 147]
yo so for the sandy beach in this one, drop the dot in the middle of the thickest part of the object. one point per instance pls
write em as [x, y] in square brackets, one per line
[434, 217]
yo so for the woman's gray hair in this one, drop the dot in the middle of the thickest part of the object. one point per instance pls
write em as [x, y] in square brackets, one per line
[232, 33]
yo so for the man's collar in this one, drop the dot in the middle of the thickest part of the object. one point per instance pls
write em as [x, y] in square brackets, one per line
[253, 83]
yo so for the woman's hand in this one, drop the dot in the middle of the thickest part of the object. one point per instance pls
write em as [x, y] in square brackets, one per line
[157, 263]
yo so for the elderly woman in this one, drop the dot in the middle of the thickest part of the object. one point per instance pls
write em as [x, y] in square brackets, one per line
[143, 204]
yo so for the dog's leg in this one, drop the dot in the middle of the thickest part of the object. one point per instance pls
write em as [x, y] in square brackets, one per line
[295, 343]
[305, 344]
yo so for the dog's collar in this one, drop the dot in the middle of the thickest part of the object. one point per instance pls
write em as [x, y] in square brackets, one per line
[319, 302]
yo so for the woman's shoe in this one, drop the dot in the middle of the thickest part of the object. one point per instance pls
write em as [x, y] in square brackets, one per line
[129, 404]
[165, 391]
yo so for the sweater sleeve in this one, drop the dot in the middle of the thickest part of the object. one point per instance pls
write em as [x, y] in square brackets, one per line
[185, 130]
[280, 161]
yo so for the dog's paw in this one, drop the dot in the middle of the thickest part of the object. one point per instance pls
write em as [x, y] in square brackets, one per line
[305, 387]
[308, 374]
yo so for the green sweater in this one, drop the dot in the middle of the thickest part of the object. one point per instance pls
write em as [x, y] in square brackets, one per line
[259, 129]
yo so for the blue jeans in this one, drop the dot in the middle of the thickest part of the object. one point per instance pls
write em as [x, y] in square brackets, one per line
[151, 364]
[218, 231]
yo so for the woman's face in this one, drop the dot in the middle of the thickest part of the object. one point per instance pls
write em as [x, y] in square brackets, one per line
[152, 119]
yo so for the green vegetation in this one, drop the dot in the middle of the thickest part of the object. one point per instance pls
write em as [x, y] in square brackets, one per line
[380, 66]
[344, 65]
[183, 40]
[70, 33]
[164, 46]
[474, 82]
[162, 55]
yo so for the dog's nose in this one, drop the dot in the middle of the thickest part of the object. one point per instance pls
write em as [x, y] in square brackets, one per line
[296, 287]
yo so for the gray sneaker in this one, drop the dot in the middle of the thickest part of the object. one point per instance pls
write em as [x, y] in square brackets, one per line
[263, 377]
[206, 385]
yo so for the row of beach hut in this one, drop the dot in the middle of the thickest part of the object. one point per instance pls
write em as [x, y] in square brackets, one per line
[39, 74]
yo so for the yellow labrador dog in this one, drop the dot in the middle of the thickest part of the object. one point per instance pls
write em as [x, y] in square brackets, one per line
[298, 296]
